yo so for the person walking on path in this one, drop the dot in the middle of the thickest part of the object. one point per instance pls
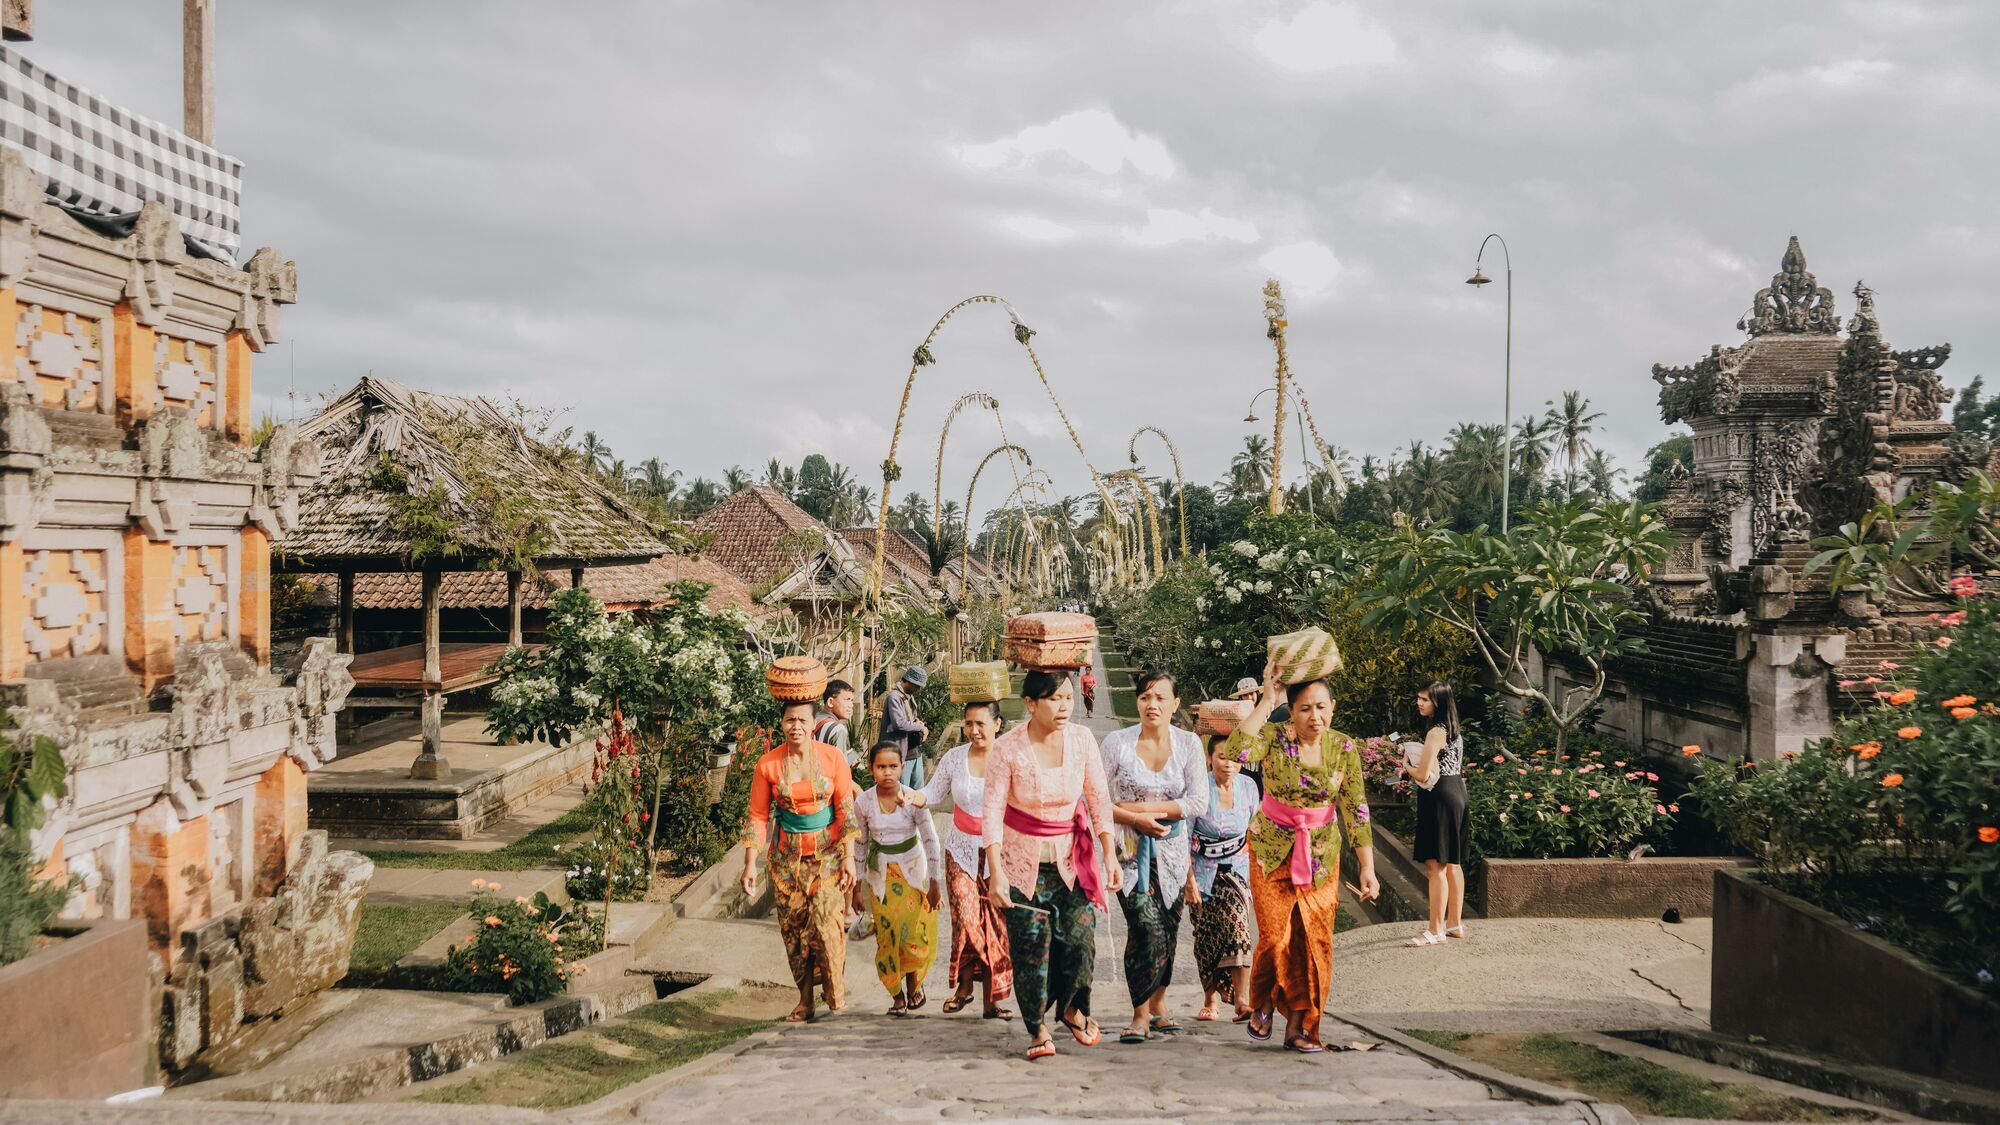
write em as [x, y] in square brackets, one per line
[1441, 814]
[836, 711]
[1155, 774]
[1218, 890]
[1047, 833]
[1312, 797]
[978, 928]
[809, 788]
[901, 726]
[902, 877]
[1089, 682]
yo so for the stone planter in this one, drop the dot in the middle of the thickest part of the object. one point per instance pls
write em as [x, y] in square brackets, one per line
[1794, 974]
[1599, 888]
[79, 1015]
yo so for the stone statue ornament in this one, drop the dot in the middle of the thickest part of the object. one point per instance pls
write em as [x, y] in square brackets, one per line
[1795, 303]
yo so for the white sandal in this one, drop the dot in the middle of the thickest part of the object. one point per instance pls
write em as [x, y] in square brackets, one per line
[1456, 932]
[1425, 938]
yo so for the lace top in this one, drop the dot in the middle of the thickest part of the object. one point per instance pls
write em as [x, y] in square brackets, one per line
[1179, 779]
[954, 778]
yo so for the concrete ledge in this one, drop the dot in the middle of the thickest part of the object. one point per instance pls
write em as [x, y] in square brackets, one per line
[78, 1022]
[1525, 1089]
[1601, 888]
[1794, 974]
[1929, 1098]
[451, 808]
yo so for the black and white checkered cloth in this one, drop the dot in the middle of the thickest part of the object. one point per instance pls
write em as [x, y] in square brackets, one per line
[102, 159]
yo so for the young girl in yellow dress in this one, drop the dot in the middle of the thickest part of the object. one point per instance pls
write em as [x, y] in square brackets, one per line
[902, 879]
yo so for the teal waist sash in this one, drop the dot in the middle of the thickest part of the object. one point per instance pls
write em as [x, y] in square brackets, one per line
[799, 825]
[877, 849]
[1144, 882]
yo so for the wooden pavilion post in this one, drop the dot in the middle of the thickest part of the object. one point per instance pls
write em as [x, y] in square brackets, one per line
[347, 612]
[430, 764]
[514, 608]
[576, 578]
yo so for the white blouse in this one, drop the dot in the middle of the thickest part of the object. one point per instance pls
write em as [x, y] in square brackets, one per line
[1180, 779]
[893, 828]
[954, 777]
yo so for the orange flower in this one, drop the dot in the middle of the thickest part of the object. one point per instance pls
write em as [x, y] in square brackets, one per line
[1989, 835]
[1867, 750]
[1690, 751]
[479, 884]
[1904, 696]
[492, 919]
[1892, 780]
[1959, 701]
[1963, 713]
[1909, 732]
[1942, 642]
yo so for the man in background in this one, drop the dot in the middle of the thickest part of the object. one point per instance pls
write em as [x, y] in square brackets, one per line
[835, 712]
[901, 725]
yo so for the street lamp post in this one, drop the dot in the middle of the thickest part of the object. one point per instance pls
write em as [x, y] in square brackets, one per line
[1507, 400]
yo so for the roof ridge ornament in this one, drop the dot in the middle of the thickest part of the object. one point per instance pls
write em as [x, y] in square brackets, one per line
[1794, 304]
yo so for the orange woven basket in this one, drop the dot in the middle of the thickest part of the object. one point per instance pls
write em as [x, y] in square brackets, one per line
[796, 679]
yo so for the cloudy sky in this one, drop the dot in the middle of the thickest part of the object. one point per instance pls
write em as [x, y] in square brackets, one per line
[714, 232]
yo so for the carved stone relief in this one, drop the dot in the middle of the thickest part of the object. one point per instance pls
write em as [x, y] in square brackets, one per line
[68, 599]
[61, 356]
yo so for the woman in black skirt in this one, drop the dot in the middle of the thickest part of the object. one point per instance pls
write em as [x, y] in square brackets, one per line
[1441, 820]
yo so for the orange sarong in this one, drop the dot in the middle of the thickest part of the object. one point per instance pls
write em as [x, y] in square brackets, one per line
[1293, 965]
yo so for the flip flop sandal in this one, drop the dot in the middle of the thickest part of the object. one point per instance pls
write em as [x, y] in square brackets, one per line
[1305, 1046]
[1252, 1026]
[1208, 1014]
[1167, 1025]
[1042, 1051]
[997, 1013]
[1090, 1027]
[1130, 1036]
[954, 1004]
[919, 1000]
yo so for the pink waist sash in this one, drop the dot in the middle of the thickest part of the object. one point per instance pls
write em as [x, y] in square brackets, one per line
[1301, 822]
[1083, 846]
[963, 820]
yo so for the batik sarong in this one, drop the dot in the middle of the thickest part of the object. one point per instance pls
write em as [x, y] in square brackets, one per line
[1152, 928]
[905, 931]
[1222, 935]
[1052, 939]
[978, 936]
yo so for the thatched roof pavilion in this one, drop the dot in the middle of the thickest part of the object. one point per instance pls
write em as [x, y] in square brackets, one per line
[415, 481]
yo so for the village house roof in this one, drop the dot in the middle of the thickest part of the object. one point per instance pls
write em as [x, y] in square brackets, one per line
[747, 533]
[472, 452]
[636, 586]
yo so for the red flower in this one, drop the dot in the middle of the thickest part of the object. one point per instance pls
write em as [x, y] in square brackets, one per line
[1989, 835]
[1690, 751]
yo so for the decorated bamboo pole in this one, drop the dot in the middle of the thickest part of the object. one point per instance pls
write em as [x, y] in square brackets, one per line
[976, 398]
[1180, 483]
[1274, 312]
[1152, 510]
[965, 555]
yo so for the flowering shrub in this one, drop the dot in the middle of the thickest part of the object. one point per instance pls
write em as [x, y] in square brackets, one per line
[529, 949]
[593, 869]
[666, 690]
[1545, 805]
[1907, 788]
[1207, 619]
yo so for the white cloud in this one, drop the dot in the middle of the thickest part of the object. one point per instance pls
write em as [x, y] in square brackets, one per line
[1034, 228]
[1850, 72]
[1165, 227]
[1326, 36]
[1094, 138]
[1516, 56]
[1307, 269]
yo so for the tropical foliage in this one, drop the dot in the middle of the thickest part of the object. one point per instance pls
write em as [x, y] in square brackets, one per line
[1559, 581]
[529, 949]
[32, 779]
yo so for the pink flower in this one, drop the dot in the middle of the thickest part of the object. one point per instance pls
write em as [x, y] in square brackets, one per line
[1661, 809]
[1848, 685]
[1590, 792]
[1620, 765]
[1652, 777]
[1521, 771]
[1564, 808]
[1499, 757]
[1871, 679]
[1890, 665]
[1954, 618]
[1673, 808]
[1555, 773]
[1942, 642]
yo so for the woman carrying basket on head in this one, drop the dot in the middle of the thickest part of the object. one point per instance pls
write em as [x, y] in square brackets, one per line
[1313, 796]
[806, 787]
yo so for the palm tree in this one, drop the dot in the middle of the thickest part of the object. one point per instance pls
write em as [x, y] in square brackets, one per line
[701, 495]
[655, 481]
[1571, 425]
[1476, 464]
[861, 498]
[1531, 449]
[736, 479]
[1250, 470]
[1603, 475]
[593, 451]
[784, 478]
[908, 514]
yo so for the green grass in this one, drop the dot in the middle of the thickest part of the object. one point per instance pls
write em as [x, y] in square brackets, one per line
[1342, 920]
[536, 849]
[586, 1065]
[1645, 1088]
[387, 934]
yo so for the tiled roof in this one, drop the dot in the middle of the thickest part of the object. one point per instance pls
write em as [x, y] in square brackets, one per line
[618, 587]
[431, 438]
[903, 560]
[1789, 361]
[747, 532]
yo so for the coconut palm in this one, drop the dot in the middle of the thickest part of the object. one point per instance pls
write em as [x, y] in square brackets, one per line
[1476, 463]
[1250, 470]
[1603, 476]
[1571, 425]
[593, 452]
[736, 479]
